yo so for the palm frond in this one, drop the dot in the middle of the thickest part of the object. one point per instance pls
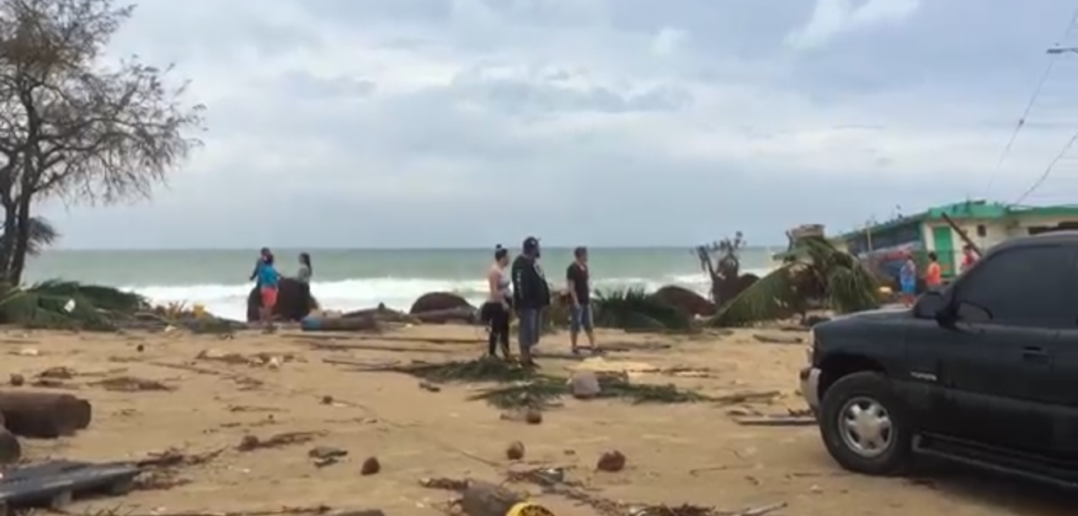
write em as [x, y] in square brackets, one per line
[636, 309]
[768, 298]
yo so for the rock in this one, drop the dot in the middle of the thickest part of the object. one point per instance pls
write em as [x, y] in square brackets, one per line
[515, 451]
[326, 452]
[17, 380]
[429, 387]
[438, 301]
[370, 466]
[533, 416]
[611, 461]
[294, 301]
[584, 384]
[140, 348]
[685, 300]
[327, 400]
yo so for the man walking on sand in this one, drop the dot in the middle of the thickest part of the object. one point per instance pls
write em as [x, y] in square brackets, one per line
[531, 295]
[579, 285]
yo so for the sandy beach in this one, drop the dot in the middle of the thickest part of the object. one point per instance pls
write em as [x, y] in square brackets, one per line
[692, 453]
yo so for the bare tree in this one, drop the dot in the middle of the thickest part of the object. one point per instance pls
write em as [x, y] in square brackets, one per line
[722, 261]
[74, 127]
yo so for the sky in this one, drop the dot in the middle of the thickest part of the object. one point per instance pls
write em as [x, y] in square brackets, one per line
[464, 123]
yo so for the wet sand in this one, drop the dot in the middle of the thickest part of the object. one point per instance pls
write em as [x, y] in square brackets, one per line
[689, 453]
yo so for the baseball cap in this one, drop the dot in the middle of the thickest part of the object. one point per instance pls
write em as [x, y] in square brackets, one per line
[530, 243]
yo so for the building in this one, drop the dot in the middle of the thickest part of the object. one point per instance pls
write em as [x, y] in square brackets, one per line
[985, 223]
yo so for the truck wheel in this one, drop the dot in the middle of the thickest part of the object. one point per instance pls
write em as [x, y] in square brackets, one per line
[864, 425]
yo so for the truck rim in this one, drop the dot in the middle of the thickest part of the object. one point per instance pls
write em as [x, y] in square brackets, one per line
[865, 426]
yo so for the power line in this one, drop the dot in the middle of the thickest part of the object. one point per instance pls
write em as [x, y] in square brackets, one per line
[1029, 105]
[1044, 175]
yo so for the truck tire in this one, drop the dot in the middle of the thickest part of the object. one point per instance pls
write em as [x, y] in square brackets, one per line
[865, 426]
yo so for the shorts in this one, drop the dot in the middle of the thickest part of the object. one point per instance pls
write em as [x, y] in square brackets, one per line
[909, 287]
[529, 327]
[269, 297]
[580, 317]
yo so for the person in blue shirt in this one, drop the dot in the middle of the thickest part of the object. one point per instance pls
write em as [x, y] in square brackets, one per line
[907, 280]
[267, 279]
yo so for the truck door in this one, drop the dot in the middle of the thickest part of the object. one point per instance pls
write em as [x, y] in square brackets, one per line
[993, 365]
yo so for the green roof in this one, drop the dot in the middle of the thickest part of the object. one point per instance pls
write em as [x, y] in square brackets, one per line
[970, 210]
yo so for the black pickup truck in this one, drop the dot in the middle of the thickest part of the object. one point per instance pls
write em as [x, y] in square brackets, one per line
[983, 372]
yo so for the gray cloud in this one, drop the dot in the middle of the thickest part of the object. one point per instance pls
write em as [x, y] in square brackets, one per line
[420, 122]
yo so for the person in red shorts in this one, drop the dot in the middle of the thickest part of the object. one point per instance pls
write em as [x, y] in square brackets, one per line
[268, 278]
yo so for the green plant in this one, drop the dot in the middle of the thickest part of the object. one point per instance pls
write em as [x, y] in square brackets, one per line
[58, 304]
[636, 309]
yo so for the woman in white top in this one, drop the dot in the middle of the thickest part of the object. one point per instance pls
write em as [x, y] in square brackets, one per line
[495, 312]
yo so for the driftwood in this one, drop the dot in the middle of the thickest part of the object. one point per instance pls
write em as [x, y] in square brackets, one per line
[44, 414]
[388, 338]
[10, 449]
[465, 314]
[775, 421]
[382, 313]
[777, 339]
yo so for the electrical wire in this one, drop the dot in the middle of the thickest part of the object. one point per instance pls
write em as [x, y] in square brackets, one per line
[1048, 171]
[1029, 105]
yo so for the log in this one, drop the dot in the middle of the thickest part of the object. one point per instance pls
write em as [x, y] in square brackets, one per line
[10, 449]
[777, 339]
[340, 324]
[44, 415]
[465, 314]
[382, 313]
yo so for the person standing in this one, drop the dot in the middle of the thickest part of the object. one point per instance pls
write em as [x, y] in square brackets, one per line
[305, 271]
[262, 254]
[969, 257]
[578, 283]
[933, 273]
[531, 295]
[907, 280]
[267, 279]
[495, 312]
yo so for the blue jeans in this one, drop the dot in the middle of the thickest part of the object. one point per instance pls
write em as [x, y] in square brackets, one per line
[580, 318]
[529, 327]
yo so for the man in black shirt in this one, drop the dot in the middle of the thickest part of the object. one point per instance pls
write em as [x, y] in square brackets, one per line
[531, 295]
[579, 286]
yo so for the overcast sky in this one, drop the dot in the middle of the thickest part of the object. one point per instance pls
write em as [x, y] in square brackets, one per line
[453, 123]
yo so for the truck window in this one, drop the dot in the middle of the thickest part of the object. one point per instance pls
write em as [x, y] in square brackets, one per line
[1024, 286]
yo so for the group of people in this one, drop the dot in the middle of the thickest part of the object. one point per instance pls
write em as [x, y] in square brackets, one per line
[267, 279]
[522, 289]
[933, 276]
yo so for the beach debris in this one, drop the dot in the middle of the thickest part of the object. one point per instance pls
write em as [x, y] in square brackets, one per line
[584, 385]
[528, 414]
[327, 400]
[325, 452]
[775, 420]
[741, 397]
[58, 373]
[132, 384]
[762, 510]
[250, 442]
[370, 466]
[611, 461]
[486, 499]
[45, 415]
[28, 352]
[448, 484]
[777, 339]
[515, 451]
[17, 380]
[429, 387]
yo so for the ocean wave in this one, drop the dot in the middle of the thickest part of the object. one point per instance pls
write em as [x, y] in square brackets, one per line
[354, 294]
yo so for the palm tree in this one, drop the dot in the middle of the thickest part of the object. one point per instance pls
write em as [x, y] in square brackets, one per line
[814, 273]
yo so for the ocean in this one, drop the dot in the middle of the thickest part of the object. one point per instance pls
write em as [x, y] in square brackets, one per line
[350, 279]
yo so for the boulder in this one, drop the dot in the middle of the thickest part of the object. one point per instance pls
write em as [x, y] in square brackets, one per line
[438, 301]
[686, 300]
[294, 301]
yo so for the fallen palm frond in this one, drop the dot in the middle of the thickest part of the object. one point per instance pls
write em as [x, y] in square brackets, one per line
[636, 309]
[486, 369]
[815, 272]
[56, 304]
[541, 390]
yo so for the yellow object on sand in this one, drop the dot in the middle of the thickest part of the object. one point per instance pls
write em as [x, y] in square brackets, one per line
[885, 290]
[198, 310]
[528, 509]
